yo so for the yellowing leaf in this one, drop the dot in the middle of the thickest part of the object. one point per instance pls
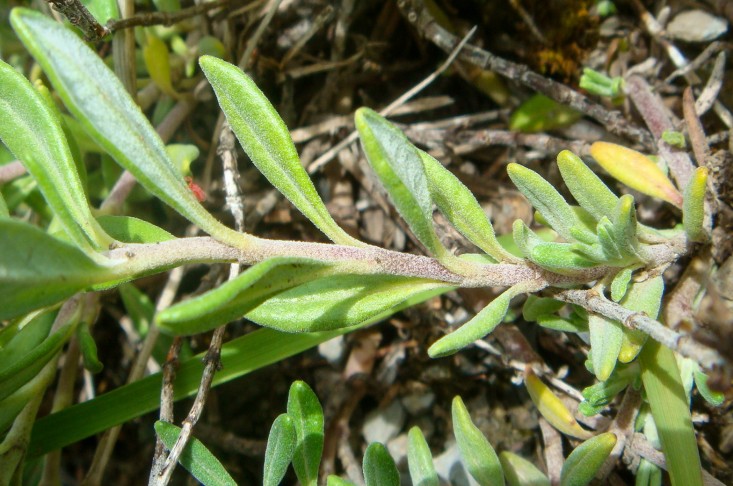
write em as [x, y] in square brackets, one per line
[552, 408]
[157, 62]
[635, 170]
[693, 212]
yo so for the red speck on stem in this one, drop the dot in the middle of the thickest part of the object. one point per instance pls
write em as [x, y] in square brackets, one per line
[196, 189]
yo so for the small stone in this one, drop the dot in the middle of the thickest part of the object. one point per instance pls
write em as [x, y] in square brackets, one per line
[696, 26]
[397, 448]
[418, 401]
[332, 350]
[450, 469]
[384, 424]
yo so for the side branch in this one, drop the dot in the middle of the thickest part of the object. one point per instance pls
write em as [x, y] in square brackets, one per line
[680, 343]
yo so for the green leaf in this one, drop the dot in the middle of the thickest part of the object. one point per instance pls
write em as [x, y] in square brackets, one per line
[693, 206]
[17, 373]
[307, 415]
[399, 167]
[540, 113]
[420, 460]
[233, 299]
[479, 326]
[103, 107]
[37, 270]
[337, 481]
[157, 62]
[714, 398]
[521, 472]
[239, 357]
[132, 230]
[4, 213]
[379, 467]
[668, 401]
[584, 462]
[31, 129]
[280, 449]
[266, 140]
[585, 186]
[561, 324]
[620, 284]
[102, 10]
[339, 301]
[643, 297]
[477, 454]
[548, 202]
[606, 337]
[461, 208]
[561, 258]
[196, 458]
[88, 349]
[534, 307]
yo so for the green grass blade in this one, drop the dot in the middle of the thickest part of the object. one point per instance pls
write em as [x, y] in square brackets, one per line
[239, 357]
[668, 401]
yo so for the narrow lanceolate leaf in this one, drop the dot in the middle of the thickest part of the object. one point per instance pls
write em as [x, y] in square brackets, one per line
[582, 464]
[235, 298]
[96, 97]
[37, 270]
[606, 337]
[693, 207]
[307, 415]
[265, 138]
[585, 186]
[552, 408]
[379, 467]
[635, 170]
[31, 129]
[280, 449]
[477, 454]
[479, 326]
[420, 460]
[643, 297]
[620, 284]
[156, 57]
[196, 458]
[548, 202]
[520, 472]
[668, 401]
[624, 226]
[339, 301]
[400, 169]
[461, 208]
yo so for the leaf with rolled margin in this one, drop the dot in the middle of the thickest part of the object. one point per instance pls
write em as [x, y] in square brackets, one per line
[584, 462]
[265, 138]
[476, 452]
[96, 97]
[31, 129]
[196, 458]
[37, 270]
[306, 414]
[233, 299]
[461, 208]
[281, 444]
[693, 207]
[400, 169]
[479, 326]
[643, 297]
[420, 460]
[548, 202]
[606, 337]
[585, 186]
[339, 301]
[520, 472]
[635, 170]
